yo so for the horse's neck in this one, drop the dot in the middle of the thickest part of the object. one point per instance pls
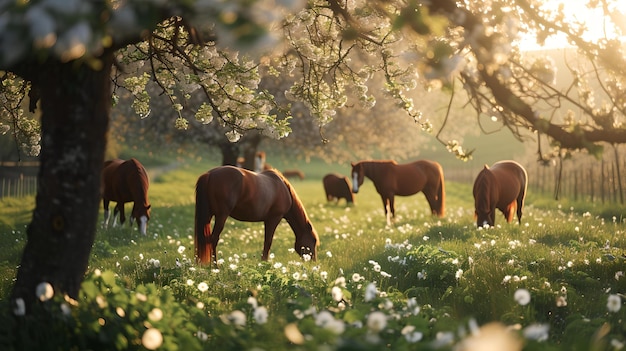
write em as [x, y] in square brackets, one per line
[372, 170]
[296, 214]
[140, 191]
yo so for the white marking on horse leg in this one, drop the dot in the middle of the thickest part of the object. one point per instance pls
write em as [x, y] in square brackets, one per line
[107, 215]
[143, 221]
[355, 182]
[114, 220]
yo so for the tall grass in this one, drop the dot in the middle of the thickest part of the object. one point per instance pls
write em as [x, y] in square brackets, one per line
[570, 260]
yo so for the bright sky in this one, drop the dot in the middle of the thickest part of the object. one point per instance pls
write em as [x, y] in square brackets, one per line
[598, 25]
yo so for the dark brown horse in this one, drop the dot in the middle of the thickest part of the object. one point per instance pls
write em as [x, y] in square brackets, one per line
[293, 173]
[391, 178]
[251, 197]
[337, 187]
[122, 182]
[501, 186]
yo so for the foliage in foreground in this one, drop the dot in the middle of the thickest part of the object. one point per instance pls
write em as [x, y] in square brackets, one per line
[555, 282]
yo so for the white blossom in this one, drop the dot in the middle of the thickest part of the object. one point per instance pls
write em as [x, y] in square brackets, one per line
[614, 303]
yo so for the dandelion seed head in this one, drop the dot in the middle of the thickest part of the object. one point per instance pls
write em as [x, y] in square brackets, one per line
[614, 303]
[522, 296]
[376, 321]
[260, 315]
[370, 292]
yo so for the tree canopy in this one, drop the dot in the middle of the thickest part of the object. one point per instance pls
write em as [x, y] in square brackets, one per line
[333, 52]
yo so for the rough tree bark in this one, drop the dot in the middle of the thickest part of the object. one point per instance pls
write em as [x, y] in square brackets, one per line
[75, 103]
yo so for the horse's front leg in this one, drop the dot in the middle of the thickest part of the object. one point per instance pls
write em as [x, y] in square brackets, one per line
[492, 216]
[120, 208]
[387, 207]
[107, 213]
[270, 227]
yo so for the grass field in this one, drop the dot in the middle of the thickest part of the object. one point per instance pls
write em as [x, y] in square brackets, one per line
[423, 283]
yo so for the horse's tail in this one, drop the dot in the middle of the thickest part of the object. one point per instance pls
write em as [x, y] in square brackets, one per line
[440, 204]
[202, 220]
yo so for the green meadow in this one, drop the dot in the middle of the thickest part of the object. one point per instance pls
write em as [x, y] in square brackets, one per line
[555, 282]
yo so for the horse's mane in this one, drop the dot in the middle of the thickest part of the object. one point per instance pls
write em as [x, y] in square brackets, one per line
[393, 162]
[296, 202]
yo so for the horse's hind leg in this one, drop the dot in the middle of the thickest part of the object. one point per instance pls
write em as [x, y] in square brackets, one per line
[214, 237]
[118, 210]
[520, 206]
[509, 211]
[431, 197]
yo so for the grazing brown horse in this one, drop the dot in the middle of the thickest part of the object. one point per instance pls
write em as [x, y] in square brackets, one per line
[391, 178]
[501, 186]
[337, 187]
[122, 182]
[293, 173]
[251, 197]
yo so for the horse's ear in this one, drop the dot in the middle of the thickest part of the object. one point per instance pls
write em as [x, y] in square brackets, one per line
[486, 166]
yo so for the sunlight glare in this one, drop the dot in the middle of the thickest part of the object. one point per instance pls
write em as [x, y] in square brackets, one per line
[576, 11]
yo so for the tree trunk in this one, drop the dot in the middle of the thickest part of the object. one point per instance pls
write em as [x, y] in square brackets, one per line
[230, 153]
[250, 144]
[75, 104]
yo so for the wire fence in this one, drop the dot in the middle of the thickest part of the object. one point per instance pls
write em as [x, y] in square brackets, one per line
[17, 179]
[18, 187]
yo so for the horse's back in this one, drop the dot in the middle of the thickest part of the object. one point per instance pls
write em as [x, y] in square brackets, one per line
[246, 195]
[512, 179]
[109, 182]
[415, 176]
[510, 174]
[124, 180]
[337, 186]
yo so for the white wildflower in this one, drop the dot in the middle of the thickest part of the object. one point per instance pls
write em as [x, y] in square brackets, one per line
[260, 315]
[522, 296]
[337, 293]
[614, 303]
[376, 321]
[370, 292]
